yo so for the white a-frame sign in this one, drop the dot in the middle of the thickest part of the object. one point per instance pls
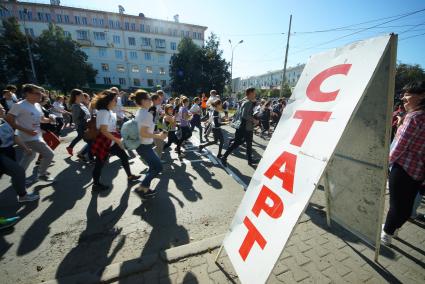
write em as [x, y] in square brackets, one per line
[335, 129]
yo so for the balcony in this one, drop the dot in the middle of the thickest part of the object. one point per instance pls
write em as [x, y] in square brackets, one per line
[160, 49]
[147, 47]
[84, 42]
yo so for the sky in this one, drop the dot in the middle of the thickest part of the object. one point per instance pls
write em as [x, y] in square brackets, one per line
[263, 26]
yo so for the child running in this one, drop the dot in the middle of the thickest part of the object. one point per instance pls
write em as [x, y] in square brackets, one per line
[169, 122]
[146, 128]
[216, 128]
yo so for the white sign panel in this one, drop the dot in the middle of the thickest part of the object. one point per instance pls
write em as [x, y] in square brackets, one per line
[327, 94]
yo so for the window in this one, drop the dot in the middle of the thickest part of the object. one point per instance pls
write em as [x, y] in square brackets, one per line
[146, 41]
[187, 34]
[142, 28]
[161, 58]
[162, 70]
[131, 41]
[118, 54]
[111, 24]
[175, 33]
[148, 29]
[102, 52]
[135, 69]
[149, 69]
[116, 39]
[170, 32]
[94, 20]
[66, 34]
[117, 24]
[133, 26]
[21, 15]
[173, 45]
[29, 15]
[99, 35]
[101, 22]
[150, 82]
[107, 80]
[40, 16]
[120, 68]
[29, 32]
[148, 56]
[156, 30]
[133, 54]
[66, 18]
[121, 81]
[182, 33]
[160, 43]
[84, 20]
[59, 18]
[82, 35]
[194, 35]
[86, 50]
[127, 26]
[163, 83]
[77, 20]
[136, 82]
[105, 67]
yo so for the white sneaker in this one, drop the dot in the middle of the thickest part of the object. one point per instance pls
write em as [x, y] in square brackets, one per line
[46, 178]
[386, 239]
[28, 197]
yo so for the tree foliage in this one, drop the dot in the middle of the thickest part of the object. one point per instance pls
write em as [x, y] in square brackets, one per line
[58, 60]
[197, 69]
[14, 60]
[61, 61]
[406, 73]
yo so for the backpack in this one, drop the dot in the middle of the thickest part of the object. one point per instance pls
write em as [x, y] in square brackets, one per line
[237, 117]
[91, 131]
[130, 134]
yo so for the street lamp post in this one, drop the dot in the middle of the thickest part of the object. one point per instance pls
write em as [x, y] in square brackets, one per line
[29, 48]
[231, 66]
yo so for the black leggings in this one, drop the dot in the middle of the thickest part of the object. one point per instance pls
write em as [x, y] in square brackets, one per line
[117, 151]
[186, 134]
[403, 191]
[80, 135]
[218, 136]
[241, 136]
[59, 125]
[172, 138]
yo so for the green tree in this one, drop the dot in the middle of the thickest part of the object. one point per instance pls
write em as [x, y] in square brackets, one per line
[286, 91]
[195, 69]
[215, 69]
[61, 61]
[185, 68]
[406, 73]
[14, 61]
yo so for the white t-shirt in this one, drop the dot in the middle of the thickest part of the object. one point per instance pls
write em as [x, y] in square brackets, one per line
[212, 99]
[58, 109]
[107, 117]
[145, 119]
[119, 109]
[195, 109]
[28, 116]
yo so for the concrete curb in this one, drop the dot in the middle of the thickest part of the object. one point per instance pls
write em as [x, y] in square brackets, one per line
[115, 271]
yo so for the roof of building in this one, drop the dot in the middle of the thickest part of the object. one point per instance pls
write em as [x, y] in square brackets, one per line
[105, 12]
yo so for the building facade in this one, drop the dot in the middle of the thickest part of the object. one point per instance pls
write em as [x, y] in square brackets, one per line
[126, 50]
[270, 80]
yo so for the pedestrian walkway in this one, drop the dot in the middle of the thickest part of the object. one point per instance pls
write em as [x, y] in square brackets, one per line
[314, 254]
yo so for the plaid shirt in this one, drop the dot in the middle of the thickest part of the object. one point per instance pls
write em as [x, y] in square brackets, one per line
[102, 144]
[408, 148]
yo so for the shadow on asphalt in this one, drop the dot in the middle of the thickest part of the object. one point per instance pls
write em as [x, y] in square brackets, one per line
[62, 199]
[94, 244]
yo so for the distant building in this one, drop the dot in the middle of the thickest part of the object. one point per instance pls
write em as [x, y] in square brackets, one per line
[126, 50]
[269, 80]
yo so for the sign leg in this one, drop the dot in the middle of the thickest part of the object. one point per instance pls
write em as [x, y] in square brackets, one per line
[219, 253]
[328, 201]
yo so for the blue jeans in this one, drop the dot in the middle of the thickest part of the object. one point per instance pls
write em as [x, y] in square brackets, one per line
[153, 161]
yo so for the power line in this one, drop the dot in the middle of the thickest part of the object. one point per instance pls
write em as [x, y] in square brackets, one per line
[362, 30]
[412, 36]
[412, 28]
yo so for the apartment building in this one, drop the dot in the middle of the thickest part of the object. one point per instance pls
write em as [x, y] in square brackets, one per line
[126, 50]
[269, 80]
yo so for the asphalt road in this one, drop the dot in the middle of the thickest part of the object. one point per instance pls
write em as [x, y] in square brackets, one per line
[71, 230]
